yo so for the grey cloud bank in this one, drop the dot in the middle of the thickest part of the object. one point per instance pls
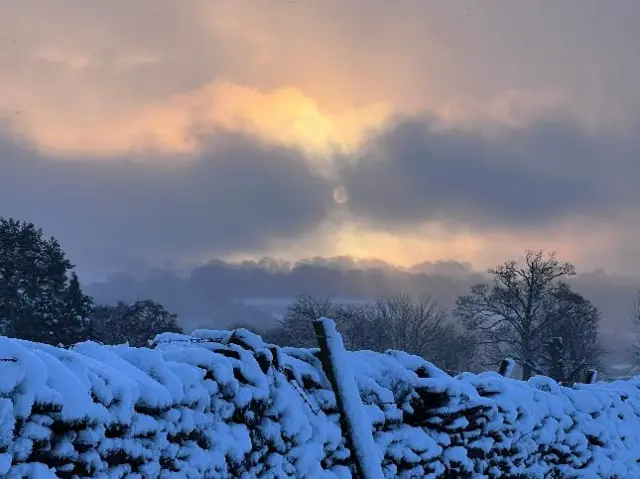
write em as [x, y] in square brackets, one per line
[240, 193]
[526, 177]
[236, 197]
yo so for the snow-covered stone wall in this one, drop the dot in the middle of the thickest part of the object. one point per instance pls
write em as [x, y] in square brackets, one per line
[222, 404]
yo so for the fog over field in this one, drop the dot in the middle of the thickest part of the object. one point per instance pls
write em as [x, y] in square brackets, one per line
[223, 294]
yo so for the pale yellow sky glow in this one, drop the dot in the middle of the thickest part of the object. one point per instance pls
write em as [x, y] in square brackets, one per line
[159, 80]
[284, 116]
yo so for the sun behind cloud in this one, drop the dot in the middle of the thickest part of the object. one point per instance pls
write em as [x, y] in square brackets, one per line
[290, 117]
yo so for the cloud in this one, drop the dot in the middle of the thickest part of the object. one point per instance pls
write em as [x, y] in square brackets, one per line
[106, 83]
[147, 72]
[236, 196]
[285, 116]
[526, 177]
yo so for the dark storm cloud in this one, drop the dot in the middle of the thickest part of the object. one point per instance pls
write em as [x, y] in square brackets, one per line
[237, 196]
[523, 177]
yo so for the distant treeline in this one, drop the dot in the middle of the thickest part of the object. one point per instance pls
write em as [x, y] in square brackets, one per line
[523, 310]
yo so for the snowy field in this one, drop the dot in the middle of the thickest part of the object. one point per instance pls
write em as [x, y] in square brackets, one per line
[217, 404]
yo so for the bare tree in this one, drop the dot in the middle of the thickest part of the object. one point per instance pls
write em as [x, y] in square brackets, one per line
[512, 316]
[354, 323]
[296, 327]
[455, 351]
[405, 324]
[417, 326]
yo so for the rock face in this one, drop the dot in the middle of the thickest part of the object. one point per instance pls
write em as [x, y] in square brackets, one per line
[225, 404]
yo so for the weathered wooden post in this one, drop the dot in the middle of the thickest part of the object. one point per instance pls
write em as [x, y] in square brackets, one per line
[506, 367]
[356, 426]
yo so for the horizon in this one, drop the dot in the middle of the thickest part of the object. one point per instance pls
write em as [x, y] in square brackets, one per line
[339, 263]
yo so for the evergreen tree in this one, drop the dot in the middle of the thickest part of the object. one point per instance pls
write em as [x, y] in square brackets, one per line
[74, 325]
[34, 284]
[574, 347]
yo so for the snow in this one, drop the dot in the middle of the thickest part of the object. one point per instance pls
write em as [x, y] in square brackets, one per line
[220, 404]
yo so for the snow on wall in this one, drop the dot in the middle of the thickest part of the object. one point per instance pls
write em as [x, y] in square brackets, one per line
[222, 404]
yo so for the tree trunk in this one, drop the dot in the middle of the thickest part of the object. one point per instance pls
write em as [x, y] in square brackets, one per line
[527, 370]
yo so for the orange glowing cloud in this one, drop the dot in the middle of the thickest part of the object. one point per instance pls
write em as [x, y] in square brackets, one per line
[432, 242]
[285, 116]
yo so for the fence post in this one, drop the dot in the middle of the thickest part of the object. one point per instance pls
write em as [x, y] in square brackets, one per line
[356, 426]
[506, 367]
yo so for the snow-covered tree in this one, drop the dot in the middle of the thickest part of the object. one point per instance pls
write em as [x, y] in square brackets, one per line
[525, 306]
[40, 298]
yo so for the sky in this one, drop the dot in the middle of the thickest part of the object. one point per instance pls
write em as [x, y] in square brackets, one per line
[159, 133]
